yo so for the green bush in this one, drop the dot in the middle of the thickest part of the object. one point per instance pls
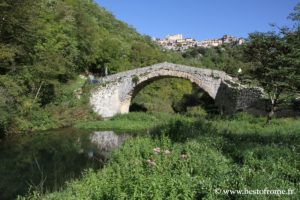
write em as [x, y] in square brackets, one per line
[135, 79]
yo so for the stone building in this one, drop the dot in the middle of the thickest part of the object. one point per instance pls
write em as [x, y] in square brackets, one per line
[179, 43]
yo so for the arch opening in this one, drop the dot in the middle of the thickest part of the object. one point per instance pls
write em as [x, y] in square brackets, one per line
[170, 94]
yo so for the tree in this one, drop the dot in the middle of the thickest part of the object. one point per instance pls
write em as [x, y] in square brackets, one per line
[294, 36]
[295, 15]
[143, 55]
[18, 23]
[276, 65]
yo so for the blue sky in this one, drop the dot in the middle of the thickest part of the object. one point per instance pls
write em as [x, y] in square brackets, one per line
[201, 19]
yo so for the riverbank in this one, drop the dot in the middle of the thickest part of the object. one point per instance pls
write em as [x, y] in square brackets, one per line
[190, 159]
[65, 111]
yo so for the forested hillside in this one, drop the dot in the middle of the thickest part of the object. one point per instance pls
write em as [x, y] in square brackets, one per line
[45, 44]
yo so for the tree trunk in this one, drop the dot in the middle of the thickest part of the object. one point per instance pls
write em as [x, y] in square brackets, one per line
[37, 94]
[274, 100]
[270, 114]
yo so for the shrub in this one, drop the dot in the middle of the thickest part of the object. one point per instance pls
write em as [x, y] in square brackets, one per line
[135, 79]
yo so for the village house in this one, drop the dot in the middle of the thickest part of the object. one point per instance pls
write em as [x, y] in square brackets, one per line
[179, 43]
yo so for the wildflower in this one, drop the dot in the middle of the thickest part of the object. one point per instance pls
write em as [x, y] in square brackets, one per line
[183, 156]
[167, 152]
[151, 162]
[156, 150]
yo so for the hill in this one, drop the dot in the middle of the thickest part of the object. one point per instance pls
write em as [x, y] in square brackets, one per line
[45, 45]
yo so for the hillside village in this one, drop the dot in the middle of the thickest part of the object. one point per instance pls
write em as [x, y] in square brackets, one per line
[179, 43]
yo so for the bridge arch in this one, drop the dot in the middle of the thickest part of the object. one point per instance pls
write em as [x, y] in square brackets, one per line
[161, 74]
[115, 93]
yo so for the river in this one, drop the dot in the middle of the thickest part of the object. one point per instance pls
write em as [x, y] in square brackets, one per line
[45, 160]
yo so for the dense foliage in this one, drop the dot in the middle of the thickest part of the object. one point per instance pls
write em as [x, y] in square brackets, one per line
[45, 44]
[227, 58]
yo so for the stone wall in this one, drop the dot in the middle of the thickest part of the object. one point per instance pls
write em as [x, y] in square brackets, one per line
[233, 97]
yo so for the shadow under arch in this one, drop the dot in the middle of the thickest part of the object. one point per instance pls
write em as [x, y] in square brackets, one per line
[190, 97]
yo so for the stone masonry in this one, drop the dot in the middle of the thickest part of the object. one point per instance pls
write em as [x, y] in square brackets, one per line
[114, 93]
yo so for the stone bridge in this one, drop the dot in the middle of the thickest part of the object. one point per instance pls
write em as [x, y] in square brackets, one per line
[115, 92]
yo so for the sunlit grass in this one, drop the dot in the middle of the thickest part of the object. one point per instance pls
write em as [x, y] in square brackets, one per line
[130, 122]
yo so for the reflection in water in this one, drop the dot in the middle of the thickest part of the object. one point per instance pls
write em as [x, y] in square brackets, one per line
[47, 159]
[107, 140]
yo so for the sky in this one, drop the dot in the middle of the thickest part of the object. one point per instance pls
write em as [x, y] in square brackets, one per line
[201, 19]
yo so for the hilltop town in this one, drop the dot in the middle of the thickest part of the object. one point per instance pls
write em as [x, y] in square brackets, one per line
[179, 43]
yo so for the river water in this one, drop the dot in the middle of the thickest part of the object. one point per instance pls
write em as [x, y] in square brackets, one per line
[46, 160]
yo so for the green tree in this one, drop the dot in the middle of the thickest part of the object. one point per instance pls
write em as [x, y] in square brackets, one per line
[18, 23]
[143, 55]
[295, 15]
[276, 65]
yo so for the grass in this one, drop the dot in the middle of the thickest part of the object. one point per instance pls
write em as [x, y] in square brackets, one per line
[244, 124]
[132, 122]
[226, 153]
